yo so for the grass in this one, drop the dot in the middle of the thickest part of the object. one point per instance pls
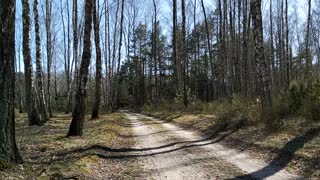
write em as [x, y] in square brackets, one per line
[251, 135]
[48, 154]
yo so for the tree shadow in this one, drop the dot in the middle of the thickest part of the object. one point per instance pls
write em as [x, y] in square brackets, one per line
[284, 157]
[149, 134]
[125, 153]
[128, 153]
[141, 122]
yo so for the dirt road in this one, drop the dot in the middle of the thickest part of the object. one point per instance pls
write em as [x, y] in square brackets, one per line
[169, 152]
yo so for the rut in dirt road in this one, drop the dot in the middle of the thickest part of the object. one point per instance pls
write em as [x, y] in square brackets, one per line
[169, 152]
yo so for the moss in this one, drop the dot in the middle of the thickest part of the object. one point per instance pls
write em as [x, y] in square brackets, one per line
[4, 165]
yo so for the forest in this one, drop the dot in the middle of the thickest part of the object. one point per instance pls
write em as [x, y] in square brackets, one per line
[152, 89]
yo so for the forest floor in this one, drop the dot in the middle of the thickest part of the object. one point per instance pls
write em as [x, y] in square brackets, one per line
[48, 154]
[294, 148]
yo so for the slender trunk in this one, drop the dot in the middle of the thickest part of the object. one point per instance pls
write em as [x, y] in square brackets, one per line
[75, 48]
[272, 46]
[155, 39]
[19, 81]
[245, 48]
[113, 82]
[108, 55]
[116, 85]
[209, 47]
[33, 115]
[97, 97]
[307, 50]
[184, 55]
[69, 65]
[39, 78]
[49, 55]
[287, 47]
[174, 47]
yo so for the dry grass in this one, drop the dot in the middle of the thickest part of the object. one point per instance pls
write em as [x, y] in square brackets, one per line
[48, 154]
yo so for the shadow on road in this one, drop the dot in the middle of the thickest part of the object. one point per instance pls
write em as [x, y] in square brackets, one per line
[221, 131]
[284, 157]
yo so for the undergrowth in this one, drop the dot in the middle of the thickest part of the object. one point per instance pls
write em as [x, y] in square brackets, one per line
[302, 99]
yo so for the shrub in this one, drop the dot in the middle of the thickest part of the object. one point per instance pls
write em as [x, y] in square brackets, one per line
[282, 106]
[297, 93]
[302, 98]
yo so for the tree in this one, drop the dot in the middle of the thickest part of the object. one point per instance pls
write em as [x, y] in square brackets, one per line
[174, 46]
[155, 50]
[78, 115]
[262, 67]
[8, 148]
[75, 45]
[245, 56]
[287, 52]
[97, 97]
[39, 78]
[208, 44]
[33, 114]
[66, 53]
[116, 84]
[271, 44]
[111, 64]
[184, 55]
[49, 55]
[307, 50]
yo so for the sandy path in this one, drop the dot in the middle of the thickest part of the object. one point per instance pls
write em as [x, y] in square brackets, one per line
[169, 152]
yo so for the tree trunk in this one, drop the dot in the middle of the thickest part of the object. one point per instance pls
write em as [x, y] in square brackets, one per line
[287, 47]
[108, 56]
[97, 97]
[209, 49]
[155, 39]
[116, 84]
[272, 46]
[8, 148]
[33, 114]
[49, 56]
[262, 67]
[76, 126]
[307, 50]
[245, 49]
[184, 55]
[39, 78]
[75, 48]
[174, 47]
[111, 71]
